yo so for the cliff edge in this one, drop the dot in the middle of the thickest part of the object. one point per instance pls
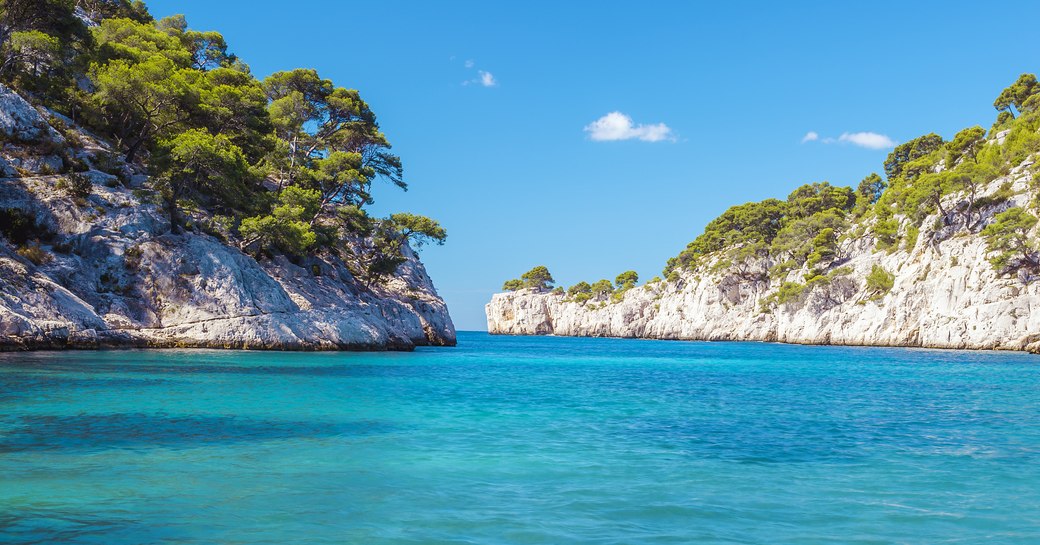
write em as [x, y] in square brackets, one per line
[100, 267]
[939, 288]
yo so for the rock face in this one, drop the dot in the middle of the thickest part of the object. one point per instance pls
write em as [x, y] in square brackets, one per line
[105, 271]
[946, 294]
[20, 121]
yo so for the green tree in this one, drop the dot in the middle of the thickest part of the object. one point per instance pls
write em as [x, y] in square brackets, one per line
[30, 51]
[748, 223]
[233, 103]
[626, 280]
[910, 151]
[602, 288]
[870, 189]
[208, 49]
[802, 237]
[811, 199]
[513, 285]
[333, 141]
[287, 227]
[824, 247]
[966, 144]
[538, 278]
[1015, 96]
[970, 178]
[142, 95]
[99, 10]
[579, 288]
[40, 41]
[197, 162]
[418, 230]
[879, 282]
[1008, 238]
[1003, 119]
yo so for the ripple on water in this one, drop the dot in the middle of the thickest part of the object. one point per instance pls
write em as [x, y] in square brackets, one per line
[522, 440]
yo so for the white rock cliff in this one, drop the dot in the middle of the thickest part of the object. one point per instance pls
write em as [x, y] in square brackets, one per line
[107, 273]
[945, 295]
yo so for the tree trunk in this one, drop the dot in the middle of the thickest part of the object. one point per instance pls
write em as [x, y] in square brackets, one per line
[171, 209]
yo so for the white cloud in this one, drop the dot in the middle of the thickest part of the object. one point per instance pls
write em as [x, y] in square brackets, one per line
[618, 126]
[486, 79]
[865, 139]
[869, 140]
[469, 63]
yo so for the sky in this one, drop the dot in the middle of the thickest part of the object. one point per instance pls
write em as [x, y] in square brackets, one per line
[598, 137]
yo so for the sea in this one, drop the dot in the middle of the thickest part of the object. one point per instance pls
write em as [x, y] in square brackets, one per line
[522, 440]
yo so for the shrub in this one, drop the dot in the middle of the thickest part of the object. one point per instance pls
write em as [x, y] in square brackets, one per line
[879, 282]
[34, 253]
[579, 288]
[1008, 238]
[19, 227]
[75, 185]
[132, 257]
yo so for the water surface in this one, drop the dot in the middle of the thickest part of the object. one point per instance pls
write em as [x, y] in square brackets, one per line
[522, 440]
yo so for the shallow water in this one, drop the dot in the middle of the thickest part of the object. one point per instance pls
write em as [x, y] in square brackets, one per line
[522, 440]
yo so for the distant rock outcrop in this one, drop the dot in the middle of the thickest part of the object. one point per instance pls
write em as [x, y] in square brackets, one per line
[945, 294]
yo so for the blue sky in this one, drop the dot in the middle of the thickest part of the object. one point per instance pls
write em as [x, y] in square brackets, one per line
[501, 113]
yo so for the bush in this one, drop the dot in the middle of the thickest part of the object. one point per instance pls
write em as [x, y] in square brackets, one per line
[19, 227]
[579, 288]
[34, 253]
[1008, 238]
[879, 282]
[581, 298]
[75, 185]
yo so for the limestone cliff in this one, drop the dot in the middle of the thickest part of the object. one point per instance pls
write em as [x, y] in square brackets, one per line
[945, 294]
[105, 271]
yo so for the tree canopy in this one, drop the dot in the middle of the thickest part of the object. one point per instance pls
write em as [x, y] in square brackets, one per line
[290, 160]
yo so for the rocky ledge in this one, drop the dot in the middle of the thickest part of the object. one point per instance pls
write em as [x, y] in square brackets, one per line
[105, 271]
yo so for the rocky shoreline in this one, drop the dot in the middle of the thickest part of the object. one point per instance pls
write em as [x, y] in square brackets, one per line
[105, 271]
[945, 294]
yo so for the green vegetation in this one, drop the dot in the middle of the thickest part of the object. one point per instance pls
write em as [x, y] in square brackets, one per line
[1008, 237]
[513, 285]
[288, 163]
[808, 229]
[811, 231]
[75, 185]
[537, 278]
[795, 293]
[879, 282]
[626, 280]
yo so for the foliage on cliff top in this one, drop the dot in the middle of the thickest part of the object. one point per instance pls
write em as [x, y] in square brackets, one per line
[810, 226]
[213, 135]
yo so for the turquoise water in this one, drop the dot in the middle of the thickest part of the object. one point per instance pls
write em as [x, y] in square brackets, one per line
[522, 440]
